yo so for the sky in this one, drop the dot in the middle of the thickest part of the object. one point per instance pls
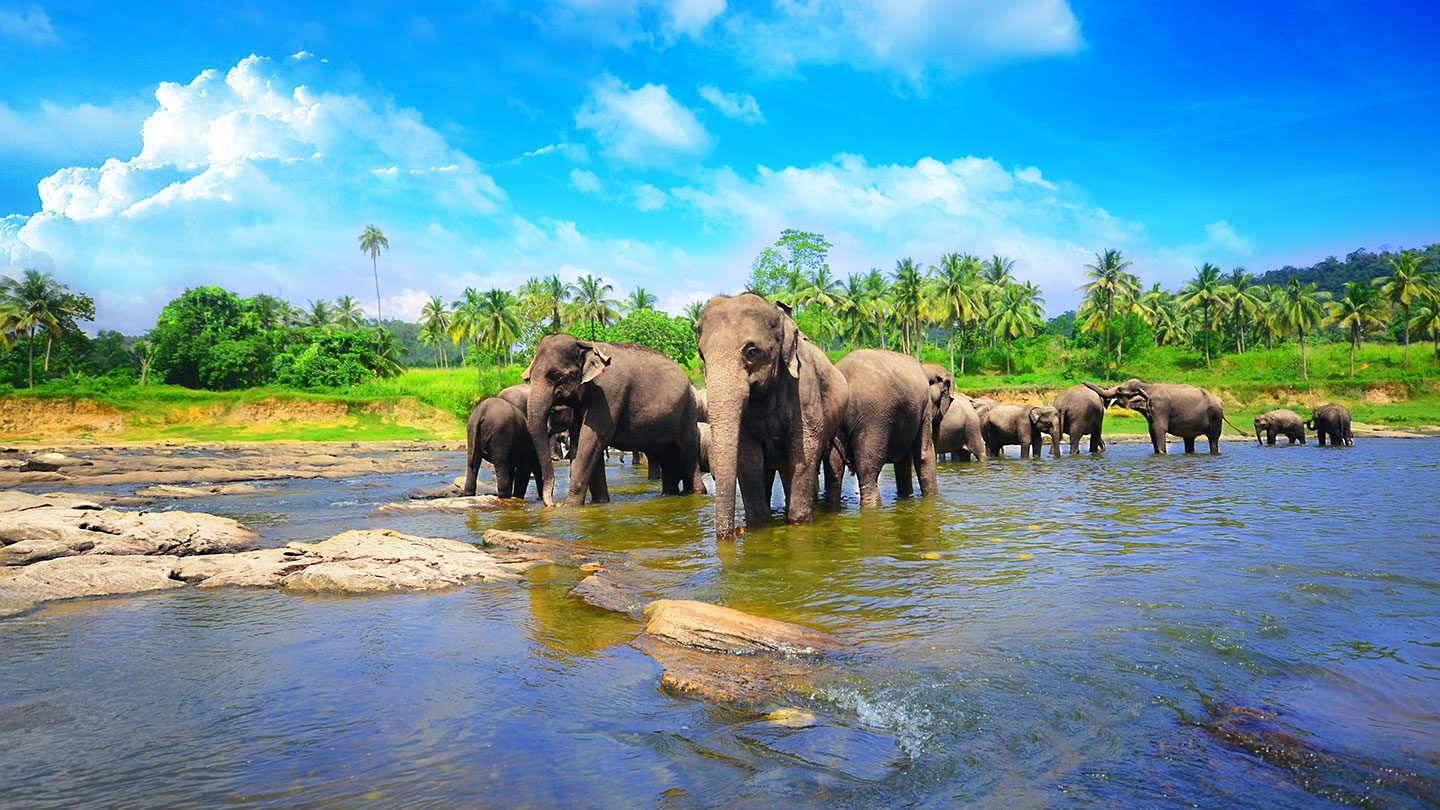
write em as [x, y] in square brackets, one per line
[147, 148]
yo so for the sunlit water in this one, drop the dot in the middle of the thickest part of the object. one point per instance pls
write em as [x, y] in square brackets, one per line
[1045, 633]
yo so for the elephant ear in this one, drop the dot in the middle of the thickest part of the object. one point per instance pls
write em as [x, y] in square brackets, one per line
[595, 361]
[789, 342]
[525, 375]
[1035, 415]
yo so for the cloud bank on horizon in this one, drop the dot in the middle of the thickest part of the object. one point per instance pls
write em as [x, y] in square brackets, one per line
[259, 177]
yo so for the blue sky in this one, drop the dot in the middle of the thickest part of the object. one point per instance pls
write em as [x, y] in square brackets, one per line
[147, 148]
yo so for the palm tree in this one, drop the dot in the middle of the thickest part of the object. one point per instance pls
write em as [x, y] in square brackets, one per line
[498, 327]
[1110, 288]
[590, 303]
[371, 241]
[465, 317]
[1360, 308]
[1303, 311]
[1272, 316]
[1161, 312]
[388, 351]
[638, 299]
[1427, 319]
[268, 309]
[1206, 292]
[548, 294]
[1404, 284]
[693, 311]
[320, 315]
[960, 298]
[821, 289]
[1016, 314]
[435, 322]
[909, 298]
[877, 291]
[36, 301]
[1244, 296]
[347, 313]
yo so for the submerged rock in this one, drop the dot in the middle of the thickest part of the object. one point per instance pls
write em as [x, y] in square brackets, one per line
[609, 591]
[367, 561]
[704, 626]
[444, 504]
[172, 491]
[852, 751]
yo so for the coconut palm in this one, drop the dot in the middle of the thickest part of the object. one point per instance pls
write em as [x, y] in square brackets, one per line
[821, 289]
[465, 317]
[268, 309]
[320, 315]
[1161, 312]
[909, 299]
[1110, 289]
[852, 304]
[498, 327]
[8, 320]
[36, 301]
[372, 241]
[1403, 286]
[638, 299]
[1427, 319]
[435, 323]
[347, 313]
[959, 299]
[1243, 295]
[877, 290]
[1272, 316]
[388, 351]
[549, 294]
[590, 304]
[1016, 313]
[693, 311]
[1205, 292]
[1359, 309]
[1303, 310]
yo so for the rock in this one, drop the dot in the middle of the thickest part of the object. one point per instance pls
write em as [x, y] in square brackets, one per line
[30, 535]
[15, 501]
[366, 561]
[445, 504]
[249, 569]
[737, 679]
[609, 591]
[529, 544]
[854, 752]
[704, 626]
[431, 493]
[172, 491]
[52, 462]
[72, 577]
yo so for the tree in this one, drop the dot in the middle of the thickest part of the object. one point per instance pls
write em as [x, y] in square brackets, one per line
[960, 300]
[781, 267]
[638, 299]
[320, 316]
[693, 311]
[498, 328]
[146, 356]
[1244, 297]
[209, 338]
[465, 320]
[877, 290]
[1110, 288]
[1016, 313]
[1427, 319]
[1272, 316]
[1360, 308]
[1161, 312]
[435, 324]
[347, 313]
[591, 305]
[1303, 311]
[550, 295]
[372, 241]
[38, 301]
[909, 295]
[1205, 292]
[1405, 284]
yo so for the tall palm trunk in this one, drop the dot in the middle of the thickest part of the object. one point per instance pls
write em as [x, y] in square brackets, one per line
[1304, 365]
[379, 317]
[32, 357]
[49, 341]
[962, 349]
[1354, 341]
[952, 347]
[1205, 332]
[1405, 327]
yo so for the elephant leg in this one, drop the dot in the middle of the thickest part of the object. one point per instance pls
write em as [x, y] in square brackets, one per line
[1157, 439]
[753, 477]
[926, 468]
[869, 481]
[904, 483]
[504, 480]
[834, 475]
[589, 457]
[691, 476]
[1189, 443]
[669, 462]
[599, 487]
[1075, 443]
[1214, 437]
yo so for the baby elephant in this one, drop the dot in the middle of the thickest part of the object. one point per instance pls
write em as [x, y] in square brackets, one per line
[496, 432]
[1333, 422]
[1280, 422]
[1024, 425]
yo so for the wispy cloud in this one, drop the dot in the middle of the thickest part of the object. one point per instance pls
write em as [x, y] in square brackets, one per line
[740, 106]
[641, 127]
[30, 25]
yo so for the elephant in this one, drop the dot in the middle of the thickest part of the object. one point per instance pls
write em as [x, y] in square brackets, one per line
[1025, 425]
[890, 420]
[1281, 422]
[960, 431]
[496, 431]
[624, 395]
[1082, 412]
[778, 402]
[1171, 408]
[1332, 422]
[942, 391]
[702, 404]
[704, 447]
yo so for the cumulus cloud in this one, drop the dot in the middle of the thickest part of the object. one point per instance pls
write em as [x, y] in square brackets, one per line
[586, 182]
[740, 106]
[643, 127]
[55, 131]
[30, 25]
[647, 197]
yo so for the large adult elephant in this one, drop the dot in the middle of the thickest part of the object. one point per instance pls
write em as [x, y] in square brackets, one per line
[1171, 408]
[1280, 422]
[624, 395]
[1025, 425]
[960, 431]
[1332, 422]
[496, 432]
[1082, 413]
[890, 420]
[774, 401]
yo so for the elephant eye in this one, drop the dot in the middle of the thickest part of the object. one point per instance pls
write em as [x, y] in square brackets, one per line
[752, 352]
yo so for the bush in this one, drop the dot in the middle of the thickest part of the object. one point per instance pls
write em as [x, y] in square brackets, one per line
[326, 360]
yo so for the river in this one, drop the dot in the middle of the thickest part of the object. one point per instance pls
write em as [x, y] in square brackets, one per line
[1045, 633]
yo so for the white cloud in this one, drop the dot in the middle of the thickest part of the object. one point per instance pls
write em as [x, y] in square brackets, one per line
[914, 39]
[405, 305]
[83, 131]
[30, 25]
[1221, 245]
[625, 22]
[641, 127]
[741, 106]
[575, 152]
[586, 182]
[647, 197]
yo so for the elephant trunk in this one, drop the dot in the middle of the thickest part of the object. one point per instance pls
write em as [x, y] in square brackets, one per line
[1106, 394]
[1257, 433]
[537, 413]
[726, 400]
[1055, 442]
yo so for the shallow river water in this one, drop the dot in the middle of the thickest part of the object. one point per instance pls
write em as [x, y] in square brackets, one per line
[1046, 633]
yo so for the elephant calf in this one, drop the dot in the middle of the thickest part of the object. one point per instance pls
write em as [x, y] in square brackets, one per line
[1025, 425]
[1280, 422]
[1332, 422]
[960, 432]
[496, 431]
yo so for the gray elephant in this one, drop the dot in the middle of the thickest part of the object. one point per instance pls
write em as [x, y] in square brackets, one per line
[624, 395]
[890, 420]
[702, 404]
[774, 401]
[1025, 425]
[942, 391]
[1082, 413]
[704, 447]
[1332, 422]
[1280, 422]
[496, 432]
[1171, 408]
[960, 432]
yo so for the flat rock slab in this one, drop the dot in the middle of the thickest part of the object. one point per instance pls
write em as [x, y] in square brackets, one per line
[91, 575]
[172, 491]
[367, 561]
[473, 503]
[29, 535]
[610, 591]
[714, 628]
[721, 678]
[16, 501]
[854, 752]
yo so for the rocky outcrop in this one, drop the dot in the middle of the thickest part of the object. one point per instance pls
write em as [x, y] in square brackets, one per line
[368, 561]
[38, 529]
[91, 575]
[713, 628]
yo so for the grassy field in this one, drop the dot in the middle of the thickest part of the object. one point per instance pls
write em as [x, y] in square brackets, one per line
[426, 403]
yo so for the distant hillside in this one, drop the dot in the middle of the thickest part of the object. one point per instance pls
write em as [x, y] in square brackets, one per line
[1333, 274]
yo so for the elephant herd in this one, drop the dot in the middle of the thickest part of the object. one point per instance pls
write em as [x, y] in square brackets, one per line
[774, 404]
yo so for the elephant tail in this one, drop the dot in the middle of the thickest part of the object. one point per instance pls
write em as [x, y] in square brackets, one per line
[1244, 433]
[839, 447]
[1310, 424]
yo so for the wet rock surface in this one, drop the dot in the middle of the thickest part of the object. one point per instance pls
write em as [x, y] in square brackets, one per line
[607, 590]
[39, 528]
[714, 628]
[172, 491]
[91, 575]
[470, 503]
